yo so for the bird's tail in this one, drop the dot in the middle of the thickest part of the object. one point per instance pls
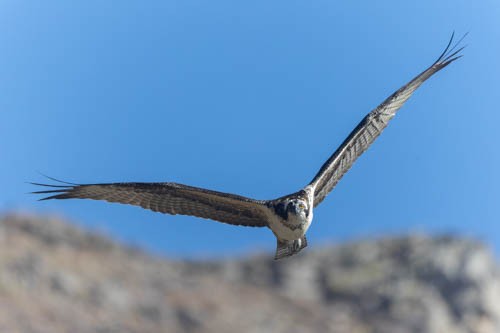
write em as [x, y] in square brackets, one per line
[289, 248]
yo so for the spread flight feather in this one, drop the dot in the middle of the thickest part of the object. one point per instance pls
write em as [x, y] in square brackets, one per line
[288, 216]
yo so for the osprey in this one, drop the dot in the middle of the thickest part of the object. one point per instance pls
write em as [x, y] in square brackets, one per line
[289, 216]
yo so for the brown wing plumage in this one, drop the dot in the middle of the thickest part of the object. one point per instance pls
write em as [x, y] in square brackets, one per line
[170, 198]
[371, 126]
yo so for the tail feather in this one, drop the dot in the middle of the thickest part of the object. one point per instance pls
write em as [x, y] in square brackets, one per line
[289, 248]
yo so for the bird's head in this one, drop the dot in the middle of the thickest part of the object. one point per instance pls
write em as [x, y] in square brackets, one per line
[298, 207]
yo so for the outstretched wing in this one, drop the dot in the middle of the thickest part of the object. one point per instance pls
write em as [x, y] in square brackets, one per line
[372, 125]
[169, 198]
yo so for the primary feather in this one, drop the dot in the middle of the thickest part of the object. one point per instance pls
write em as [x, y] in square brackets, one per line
[170, 198]
[372, 125]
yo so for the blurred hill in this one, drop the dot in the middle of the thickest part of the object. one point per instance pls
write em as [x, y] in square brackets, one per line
[55, 278]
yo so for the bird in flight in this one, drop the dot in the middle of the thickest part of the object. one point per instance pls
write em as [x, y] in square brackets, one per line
[289, 216]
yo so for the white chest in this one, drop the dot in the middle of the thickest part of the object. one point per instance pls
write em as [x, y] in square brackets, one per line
[295, 226]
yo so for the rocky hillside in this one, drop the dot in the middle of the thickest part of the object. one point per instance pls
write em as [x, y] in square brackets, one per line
[57, 278]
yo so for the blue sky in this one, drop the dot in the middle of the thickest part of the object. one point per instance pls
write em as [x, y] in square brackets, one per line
[251, 98]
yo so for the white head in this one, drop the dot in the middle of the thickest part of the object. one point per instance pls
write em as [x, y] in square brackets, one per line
[298, 208]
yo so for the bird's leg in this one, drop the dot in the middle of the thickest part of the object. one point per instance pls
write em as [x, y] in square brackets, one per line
[296, 245]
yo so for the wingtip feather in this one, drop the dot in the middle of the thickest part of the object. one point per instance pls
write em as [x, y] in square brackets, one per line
[57, 180]
[450, 52]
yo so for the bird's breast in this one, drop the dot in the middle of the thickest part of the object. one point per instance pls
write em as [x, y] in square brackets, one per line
[291, 228]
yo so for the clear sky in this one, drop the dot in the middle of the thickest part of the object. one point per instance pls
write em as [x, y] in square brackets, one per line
[251, 98]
